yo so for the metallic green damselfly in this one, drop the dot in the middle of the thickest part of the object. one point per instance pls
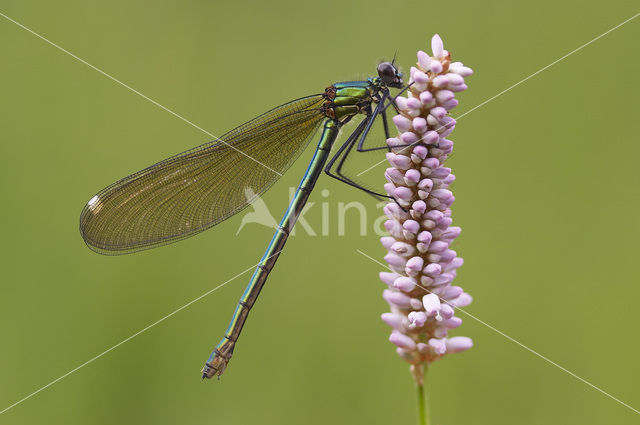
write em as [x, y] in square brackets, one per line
[197, 189]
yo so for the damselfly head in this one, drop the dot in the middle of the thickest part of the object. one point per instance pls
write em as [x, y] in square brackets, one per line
[390, 75]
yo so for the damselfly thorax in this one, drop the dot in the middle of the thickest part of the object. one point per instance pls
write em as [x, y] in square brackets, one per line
[347, 99]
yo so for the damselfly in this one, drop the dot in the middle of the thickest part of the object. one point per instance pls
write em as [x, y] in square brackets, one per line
[197, 189]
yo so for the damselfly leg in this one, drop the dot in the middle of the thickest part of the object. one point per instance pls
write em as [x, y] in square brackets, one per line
[341, 155]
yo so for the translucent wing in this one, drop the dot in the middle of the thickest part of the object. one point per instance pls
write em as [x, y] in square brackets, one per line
[192, 191]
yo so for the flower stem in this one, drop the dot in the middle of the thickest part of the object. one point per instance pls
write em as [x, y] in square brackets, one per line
[423, 402]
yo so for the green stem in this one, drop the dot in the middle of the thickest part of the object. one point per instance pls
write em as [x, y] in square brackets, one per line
[423, 402]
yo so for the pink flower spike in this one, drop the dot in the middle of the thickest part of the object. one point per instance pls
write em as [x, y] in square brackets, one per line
[402, 248]
[392, 319]
[414, 266]
[389, 188]
[440, 81]
[450, 104]
[420, 125]
[415, 304]
[438, 346]
[405, 284]
[392, 142]
[423, 348]
[444, 95]
[412, 177]
[388, 278]
[424, 60]
[444, 222]
[438, 246]
[452, 323]
[396, 298]
[412, 226]
[394, 228]
[455, 263]
[413, 103]
[395, 260]
[461, 70]
[419, 289]
[433, 269]
[388, 209]
[387, 241]
[394, 176]
[399, 161]
[402, 103]
[446, 130]
[437, 46]
[409, 137]
[432, 163]
[421, 151]
[426, 281]
[440, 172]
[455, 79]
[435, 215]
[441, 193]
[431, 304]
[448, 255]
[403, 193]
[419, 207]
[395, 211]
[417, 319]
[425, 184]
[430, 137]
[439, 112]
[458, 344]
[458, 88]
[440, 331]
[425, 236]
[420, 78]
[452, 292]
[403, 123]
[443, 279]
[402, 341]
[452, 232]
[463, 300]
[447, 311]
[436, 67]
[426, 97]
[448, 144]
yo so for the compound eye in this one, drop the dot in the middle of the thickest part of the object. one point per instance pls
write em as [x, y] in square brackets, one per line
[387, 72]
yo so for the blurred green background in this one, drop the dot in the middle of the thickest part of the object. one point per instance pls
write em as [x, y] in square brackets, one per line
[547, 196]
